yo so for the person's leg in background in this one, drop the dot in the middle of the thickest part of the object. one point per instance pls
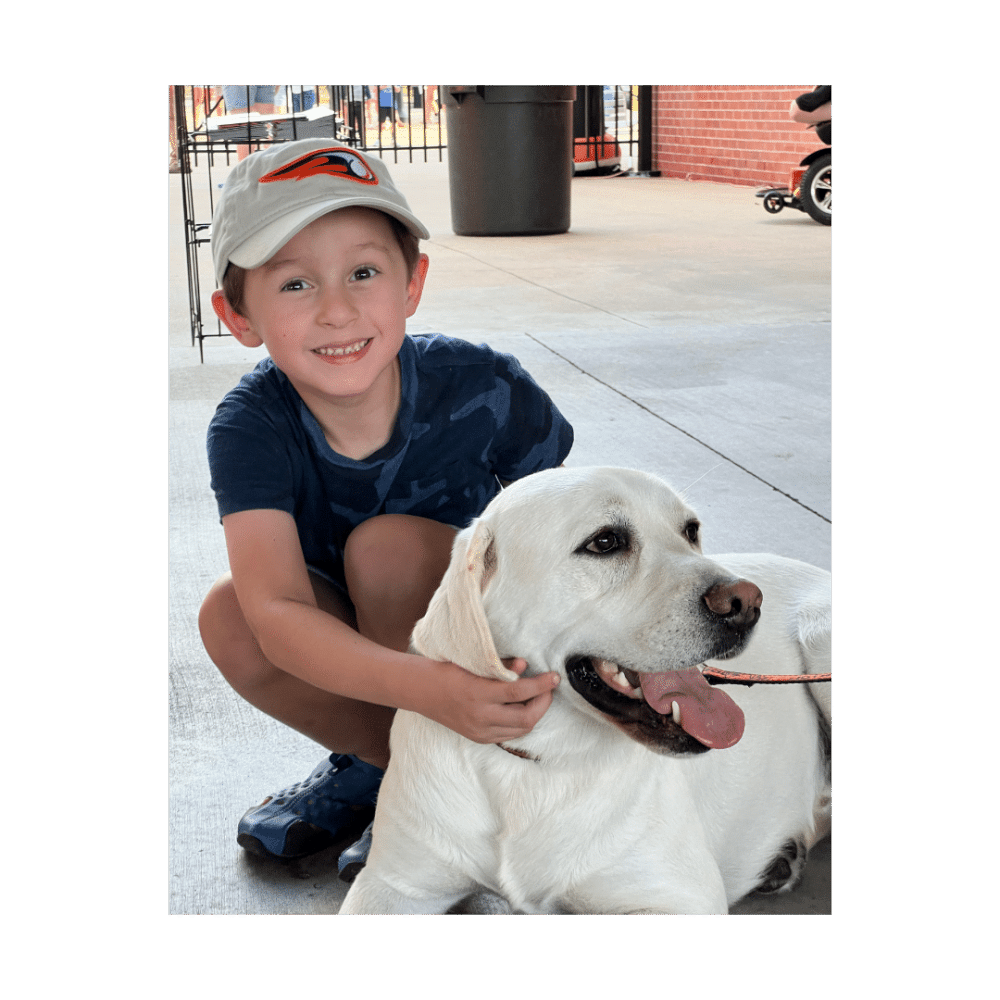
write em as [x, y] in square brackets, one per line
[258, 97]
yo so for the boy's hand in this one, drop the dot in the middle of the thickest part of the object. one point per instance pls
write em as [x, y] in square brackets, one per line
[490, 711]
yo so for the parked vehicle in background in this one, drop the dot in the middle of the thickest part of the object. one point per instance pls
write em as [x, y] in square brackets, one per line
[596, 155]
[612, 123]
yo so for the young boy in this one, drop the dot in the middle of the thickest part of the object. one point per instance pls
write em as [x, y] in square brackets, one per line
[343, 465]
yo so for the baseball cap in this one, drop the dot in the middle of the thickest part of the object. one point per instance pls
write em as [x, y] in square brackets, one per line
[276, 192]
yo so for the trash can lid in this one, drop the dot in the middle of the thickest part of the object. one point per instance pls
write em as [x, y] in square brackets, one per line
[508, 94]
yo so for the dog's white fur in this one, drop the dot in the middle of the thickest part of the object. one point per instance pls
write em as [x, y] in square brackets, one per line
[599, 823]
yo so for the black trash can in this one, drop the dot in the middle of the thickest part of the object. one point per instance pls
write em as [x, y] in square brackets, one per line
[510, 159]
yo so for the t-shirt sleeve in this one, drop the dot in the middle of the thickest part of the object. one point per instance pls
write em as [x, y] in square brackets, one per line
[532, 434]
[248, 460]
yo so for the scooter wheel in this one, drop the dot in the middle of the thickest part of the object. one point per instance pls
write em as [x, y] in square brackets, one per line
[817, 189]
[773, 203]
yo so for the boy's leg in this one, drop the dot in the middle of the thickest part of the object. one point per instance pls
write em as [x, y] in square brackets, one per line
[340, 724]
[340, 791]
[393, 567]
[393, 564]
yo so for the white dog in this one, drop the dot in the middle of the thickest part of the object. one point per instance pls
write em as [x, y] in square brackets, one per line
[642, 788]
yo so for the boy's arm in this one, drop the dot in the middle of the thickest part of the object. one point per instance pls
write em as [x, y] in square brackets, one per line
[272, 585]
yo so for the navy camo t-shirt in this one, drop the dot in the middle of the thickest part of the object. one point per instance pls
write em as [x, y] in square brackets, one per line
[468, 415]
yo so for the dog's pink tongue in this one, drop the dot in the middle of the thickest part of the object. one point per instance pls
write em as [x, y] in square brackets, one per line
[707, 714]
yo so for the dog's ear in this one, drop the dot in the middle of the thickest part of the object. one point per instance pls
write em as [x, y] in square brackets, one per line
[455, 626]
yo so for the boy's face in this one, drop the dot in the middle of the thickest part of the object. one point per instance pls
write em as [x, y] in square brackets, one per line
[331, 305]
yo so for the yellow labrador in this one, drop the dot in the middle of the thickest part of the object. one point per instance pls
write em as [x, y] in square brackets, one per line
[642, 788]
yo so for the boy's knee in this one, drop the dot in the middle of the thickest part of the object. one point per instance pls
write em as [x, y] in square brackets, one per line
[229, 642]
[376, 537]
[390, 549]
[220, 619]
[219, 597]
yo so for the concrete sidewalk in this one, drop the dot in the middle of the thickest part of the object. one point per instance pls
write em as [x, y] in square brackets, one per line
[679, 328]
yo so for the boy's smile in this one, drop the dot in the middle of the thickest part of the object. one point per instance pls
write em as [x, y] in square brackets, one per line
[338, 355]
[331, 308]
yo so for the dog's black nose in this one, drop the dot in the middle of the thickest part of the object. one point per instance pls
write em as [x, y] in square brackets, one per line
[738, 602]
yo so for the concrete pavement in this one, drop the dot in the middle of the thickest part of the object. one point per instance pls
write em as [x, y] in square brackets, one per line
[680, 329]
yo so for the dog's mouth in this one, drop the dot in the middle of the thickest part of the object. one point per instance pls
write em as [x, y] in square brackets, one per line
[675, 711]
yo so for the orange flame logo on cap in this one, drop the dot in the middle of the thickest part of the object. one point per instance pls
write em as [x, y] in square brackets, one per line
[335, 161]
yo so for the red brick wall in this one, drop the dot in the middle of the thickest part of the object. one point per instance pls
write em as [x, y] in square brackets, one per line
[729, 134]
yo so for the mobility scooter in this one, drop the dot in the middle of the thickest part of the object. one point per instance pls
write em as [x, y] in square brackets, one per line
[811, 187]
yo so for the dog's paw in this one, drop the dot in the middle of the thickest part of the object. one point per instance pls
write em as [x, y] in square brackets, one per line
[482, 902]
[785, 871]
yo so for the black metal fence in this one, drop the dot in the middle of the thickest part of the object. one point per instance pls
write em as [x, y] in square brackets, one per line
[377, 118]
[401, 120]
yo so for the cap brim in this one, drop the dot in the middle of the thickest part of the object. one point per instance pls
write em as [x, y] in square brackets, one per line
[266, 242]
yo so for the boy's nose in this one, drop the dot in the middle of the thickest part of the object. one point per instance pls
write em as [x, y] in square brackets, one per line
[336, 307]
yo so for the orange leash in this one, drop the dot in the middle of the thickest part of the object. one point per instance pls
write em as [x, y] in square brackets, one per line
[716, 676]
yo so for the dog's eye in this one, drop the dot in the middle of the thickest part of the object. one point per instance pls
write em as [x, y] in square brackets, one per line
[604, 542]
[691, 530]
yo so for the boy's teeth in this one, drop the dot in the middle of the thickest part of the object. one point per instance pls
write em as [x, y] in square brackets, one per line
[338, 351]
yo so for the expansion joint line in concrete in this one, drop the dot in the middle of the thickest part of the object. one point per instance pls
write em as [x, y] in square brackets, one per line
[704, 444]
[546, 288]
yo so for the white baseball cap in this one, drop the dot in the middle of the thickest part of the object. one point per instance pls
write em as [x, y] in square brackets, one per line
[276, 192]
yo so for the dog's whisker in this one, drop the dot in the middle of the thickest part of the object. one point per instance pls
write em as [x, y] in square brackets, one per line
[683, 493]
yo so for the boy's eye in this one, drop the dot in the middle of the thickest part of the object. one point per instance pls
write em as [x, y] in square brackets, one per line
[294, 285]
[364, 272]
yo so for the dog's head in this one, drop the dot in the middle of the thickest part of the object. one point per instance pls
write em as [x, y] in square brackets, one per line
[598, 574]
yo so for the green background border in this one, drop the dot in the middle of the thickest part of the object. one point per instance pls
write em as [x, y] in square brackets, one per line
[88, 205]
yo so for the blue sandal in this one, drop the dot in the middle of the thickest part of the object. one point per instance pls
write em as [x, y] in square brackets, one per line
[352, 859]
[310, 816]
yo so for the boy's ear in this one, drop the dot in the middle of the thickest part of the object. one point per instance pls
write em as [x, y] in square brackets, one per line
[416, 286]
[237, 325]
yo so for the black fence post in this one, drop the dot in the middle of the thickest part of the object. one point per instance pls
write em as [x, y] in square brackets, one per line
[645, 157]
[588, 112]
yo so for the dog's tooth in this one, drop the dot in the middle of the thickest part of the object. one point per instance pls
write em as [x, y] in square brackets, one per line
[675, 712]
[621, 679]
